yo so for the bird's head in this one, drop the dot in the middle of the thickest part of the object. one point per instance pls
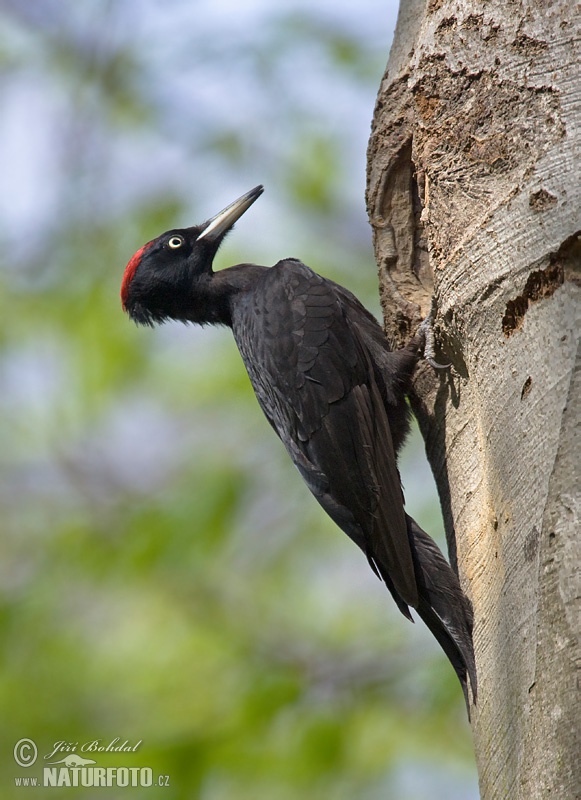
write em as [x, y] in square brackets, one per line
[166, 277]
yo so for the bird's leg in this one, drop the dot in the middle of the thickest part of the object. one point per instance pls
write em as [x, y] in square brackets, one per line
[426, 331]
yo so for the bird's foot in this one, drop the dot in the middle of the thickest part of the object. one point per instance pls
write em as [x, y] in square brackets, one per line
[426, 330]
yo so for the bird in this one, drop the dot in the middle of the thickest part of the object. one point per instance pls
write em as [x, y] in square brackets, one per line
[333, 390]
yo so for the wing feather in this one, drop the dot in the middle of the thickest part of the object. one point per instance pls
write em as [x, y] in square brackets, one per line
[316, 380]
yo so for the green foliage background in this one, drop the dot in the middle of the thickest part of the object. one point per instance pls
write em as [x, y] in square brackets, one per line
[165, 576]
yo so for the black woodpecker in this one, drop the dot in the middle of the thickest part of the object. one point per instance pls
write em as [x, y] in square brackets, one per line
[332, 389]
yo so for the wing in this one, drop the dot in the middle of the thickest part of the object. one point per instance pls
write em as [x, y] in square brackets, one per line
[317, 383]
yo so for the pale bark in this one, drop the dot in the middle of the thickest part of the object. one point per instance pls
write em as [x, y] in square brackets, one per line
[474, 194]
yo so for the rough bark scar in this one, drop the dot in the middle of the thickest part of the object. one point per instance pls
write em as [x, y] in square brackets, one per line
[542, 200]
[540, 285]
[565, 266]
[526, 388]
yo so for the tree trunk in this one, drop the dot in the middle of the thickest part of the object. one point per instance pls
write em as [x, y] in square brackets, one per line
[474, 195]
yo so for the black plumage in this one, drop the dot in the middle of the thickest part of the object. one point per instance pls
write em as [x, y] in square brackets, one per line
[333, 391]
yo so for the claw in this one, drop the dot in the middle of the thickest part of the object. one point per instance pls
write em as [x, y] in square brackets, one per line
[427, 330]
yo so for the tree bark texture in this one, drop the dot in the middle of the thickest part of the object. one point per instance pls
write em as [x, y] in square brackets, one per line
[474, 195]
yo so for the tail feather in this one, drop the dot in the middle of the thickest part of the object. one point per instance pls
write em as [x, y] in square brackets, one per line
[444, 607]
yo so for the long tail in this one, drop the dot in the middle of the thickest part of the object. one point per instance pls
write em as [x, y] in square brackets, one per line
[444, 607]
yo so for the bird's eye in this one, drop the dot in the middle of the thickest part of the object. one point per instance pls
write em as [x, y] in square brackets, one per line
[175, 242]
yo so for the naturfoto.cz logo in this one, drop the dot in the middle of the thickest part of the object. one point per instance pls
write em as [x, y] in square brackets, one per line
[65, 766]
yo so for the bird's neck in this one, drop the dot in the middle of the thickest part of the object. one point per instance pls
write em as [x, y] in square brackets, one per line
[213, 298]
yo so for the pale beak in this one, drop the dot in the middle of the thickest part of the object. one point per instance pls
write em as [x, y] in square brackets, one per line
[222, 222]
